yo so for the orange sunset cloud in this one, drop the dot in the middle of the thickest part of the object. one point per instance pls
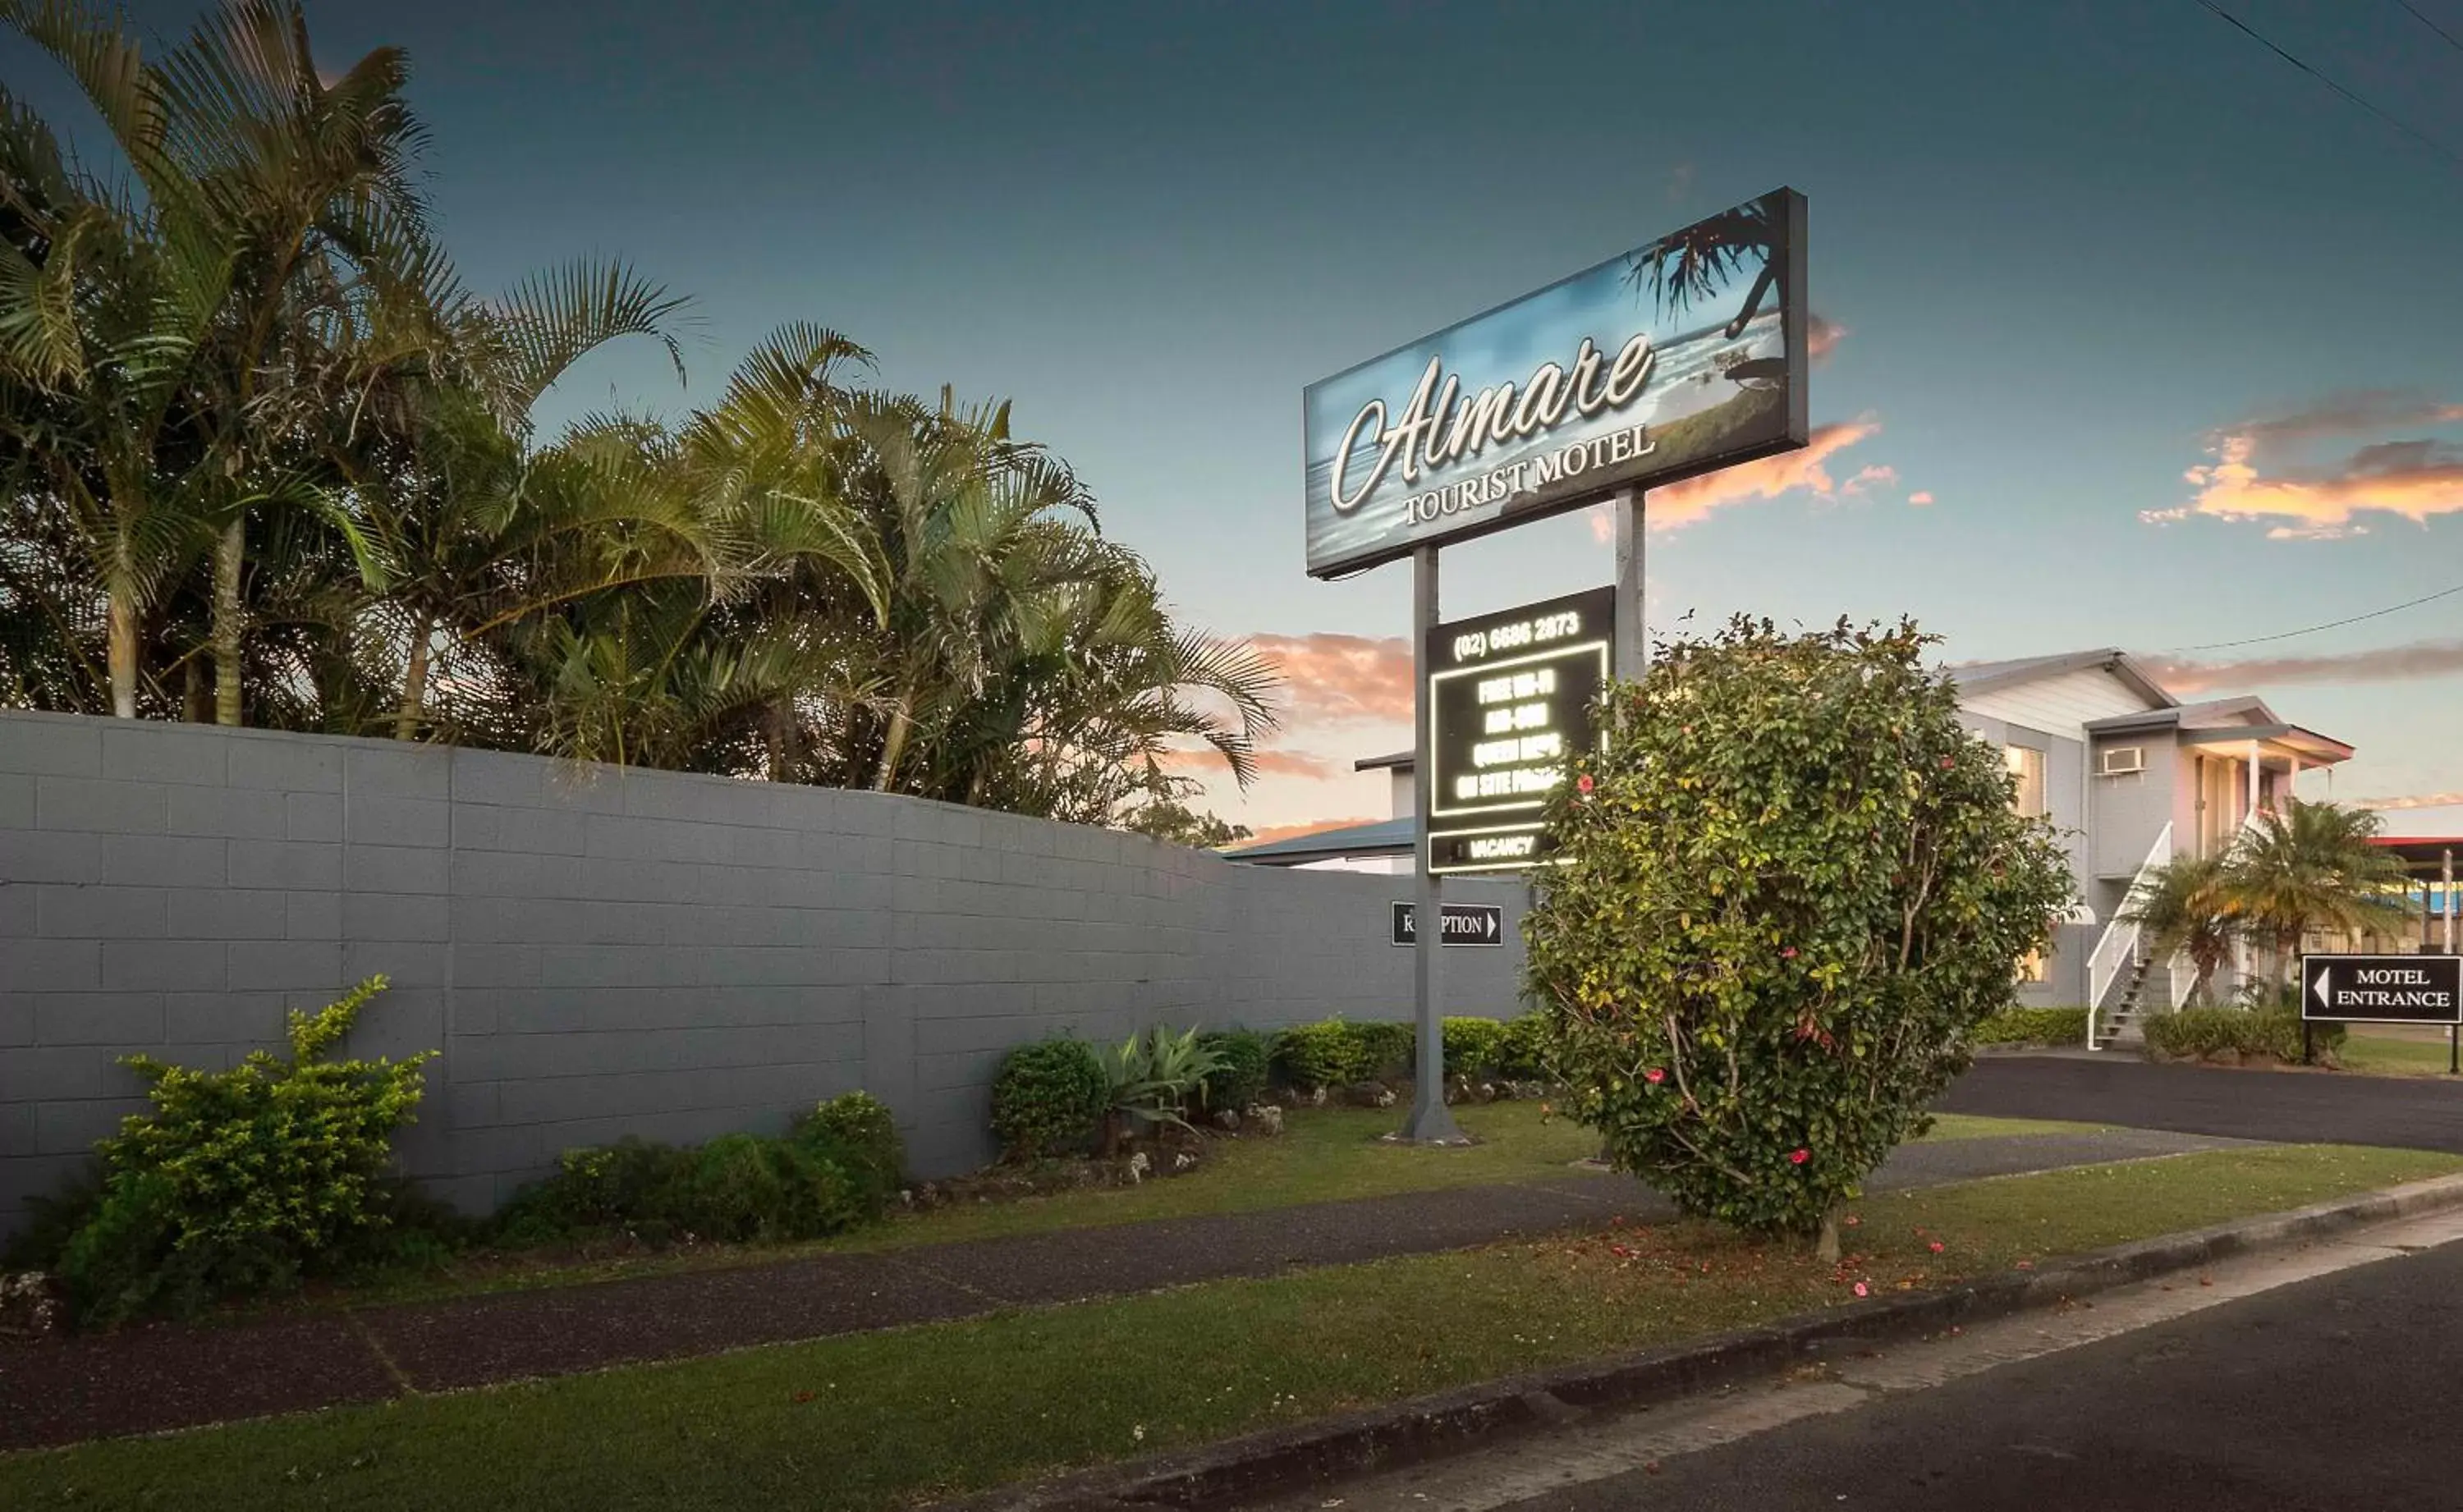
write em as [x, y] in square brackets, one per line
[1342, 679]
[2251, 480]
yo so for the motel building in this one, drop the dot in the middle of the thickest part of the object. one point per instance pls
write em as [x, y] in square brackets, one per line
[2129, 775]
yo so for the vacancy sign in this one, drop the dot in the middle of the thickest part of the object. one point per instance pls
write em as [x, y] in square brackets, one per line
[2381, 989]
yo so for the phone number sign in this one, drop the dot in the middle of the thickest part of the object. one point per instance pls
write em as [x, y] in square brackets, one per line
[1510, 698]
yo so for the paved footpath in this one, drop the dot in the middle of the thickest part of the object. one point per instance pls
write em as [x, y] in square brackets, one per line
[172, 1376]
[2409, 1113]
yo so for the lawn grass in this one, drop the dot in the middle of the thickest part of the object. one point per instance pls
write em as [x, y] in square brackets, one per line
[2379, 1055]
[1975, 1126]
[878, 1420]
[1325, 1155]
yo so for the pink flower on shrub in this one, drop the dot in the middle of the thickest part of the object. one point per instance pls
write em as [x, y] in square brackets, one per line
[1935, 1246]
[1860, 1289]
[1654, 1076]
[1799, 1156]
[1948, 762]
[1582, 784]
[1789, 954]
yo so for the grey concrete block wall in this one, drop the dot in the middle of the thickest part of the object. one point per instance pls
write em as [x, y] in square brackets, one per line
[599, 953]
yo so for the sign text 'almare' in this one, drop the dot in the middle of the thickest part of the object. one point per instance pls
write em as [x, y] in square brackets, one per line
[1508, 702]
[1466, 924]
[2383, 989]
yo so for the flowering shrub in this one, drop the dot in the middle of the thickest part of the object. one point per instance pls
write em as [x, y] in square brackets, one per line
[1795, 887]
[242, 1179]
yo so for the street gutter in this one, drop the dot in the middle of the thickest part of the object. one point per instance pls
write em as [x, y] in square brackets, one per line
[1284, 1459]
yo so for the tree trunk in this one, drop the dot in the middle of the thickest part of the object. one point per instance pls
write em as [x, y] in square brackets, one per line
[123, 650]
[414, 681]
[1826, 1248]
[779, 731]
[196, 700]
[892, 746]
[228, 553]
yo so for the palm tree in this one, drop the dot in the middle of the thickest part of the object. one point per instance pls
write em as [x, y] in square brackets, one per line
[2185, 907]
[275, 204]
[102, 318]
[439, 484]
[2310, 866]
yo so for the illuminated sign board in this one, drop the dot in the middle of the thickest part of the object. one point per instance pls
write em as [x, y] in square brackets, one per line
[1680, 356]
[1508, 702]
[2381, 989]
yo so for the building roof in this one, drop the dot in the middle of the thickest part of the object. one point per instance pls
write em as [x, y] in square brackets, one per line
[1400, 759]
[2217, 721]
[1983, 676]
[1385, 837]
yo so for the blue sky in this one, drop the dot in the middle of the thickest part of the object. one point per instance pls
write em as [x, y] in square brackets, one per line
[2075, 250]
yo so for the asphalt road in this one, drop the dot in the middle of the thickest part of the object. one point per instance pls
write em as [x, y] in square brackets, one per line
[2298, 1107]
[2332, 1394]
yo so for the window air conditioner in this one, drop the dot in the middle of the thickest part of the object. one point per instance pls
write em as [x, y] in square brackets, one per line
[2122, 760]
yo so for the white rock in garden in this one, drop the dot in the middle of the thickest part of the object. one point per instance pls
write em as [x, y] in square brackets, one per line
[1268, 1117]
[1139, 1166]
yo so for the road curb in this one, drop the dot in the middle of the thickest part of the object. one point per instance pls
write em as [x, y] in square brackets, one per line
[1285, 1459]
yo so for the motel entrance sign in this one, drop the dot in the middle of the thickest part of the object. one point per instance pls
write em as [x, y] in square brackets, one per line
[2384, 989]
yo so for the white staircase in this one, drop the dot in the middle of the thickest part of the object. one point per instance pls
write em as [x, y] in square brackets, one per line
[2120, 959]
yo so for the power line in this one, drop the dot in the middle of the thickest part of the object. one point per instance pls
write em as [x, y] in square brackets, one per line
[2452, 40]
[2332, 625]
[2413, 132]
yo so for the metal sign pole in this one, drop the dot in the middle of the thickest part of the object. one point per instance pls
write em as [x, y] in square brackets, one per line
[1632, 646]
[1431, 1121]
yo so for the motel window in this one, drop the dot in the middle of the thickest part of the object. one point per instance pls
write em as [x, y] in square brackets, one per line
[2028, 767]
[2032, 968]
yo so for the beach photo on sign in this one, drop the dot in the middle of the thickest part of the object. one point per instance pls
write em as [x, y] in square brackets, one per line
[1657, 364]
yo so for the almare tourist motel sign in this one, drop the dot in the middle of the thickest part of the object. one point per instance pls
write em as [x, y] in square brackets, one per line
[1678, 357]
[1509, 701]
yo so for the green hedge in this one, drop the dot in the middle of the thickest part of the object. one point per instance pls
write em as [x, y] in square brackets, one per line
[1331, 1053]
[1339, 1052]
[2204, 1031]
[1243, 1060]
[838, 1168]
[2033, 1027]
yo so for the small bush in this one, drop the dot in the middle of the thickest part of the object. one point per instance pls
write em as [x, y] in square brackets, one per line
[1473, 1045]
[241, 1180]
[2033, 1027]
[1331, 1053]
[839, 1167]
[1048, 1098]
[1242, 1059]
[1523, 1049]
[857, 1131]
[742, 1187]
[2193, 1032]
[1392, 1046]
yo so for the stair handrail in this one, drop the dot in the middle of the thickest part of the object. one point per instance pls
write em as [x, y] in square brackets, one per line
[2118, 946]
